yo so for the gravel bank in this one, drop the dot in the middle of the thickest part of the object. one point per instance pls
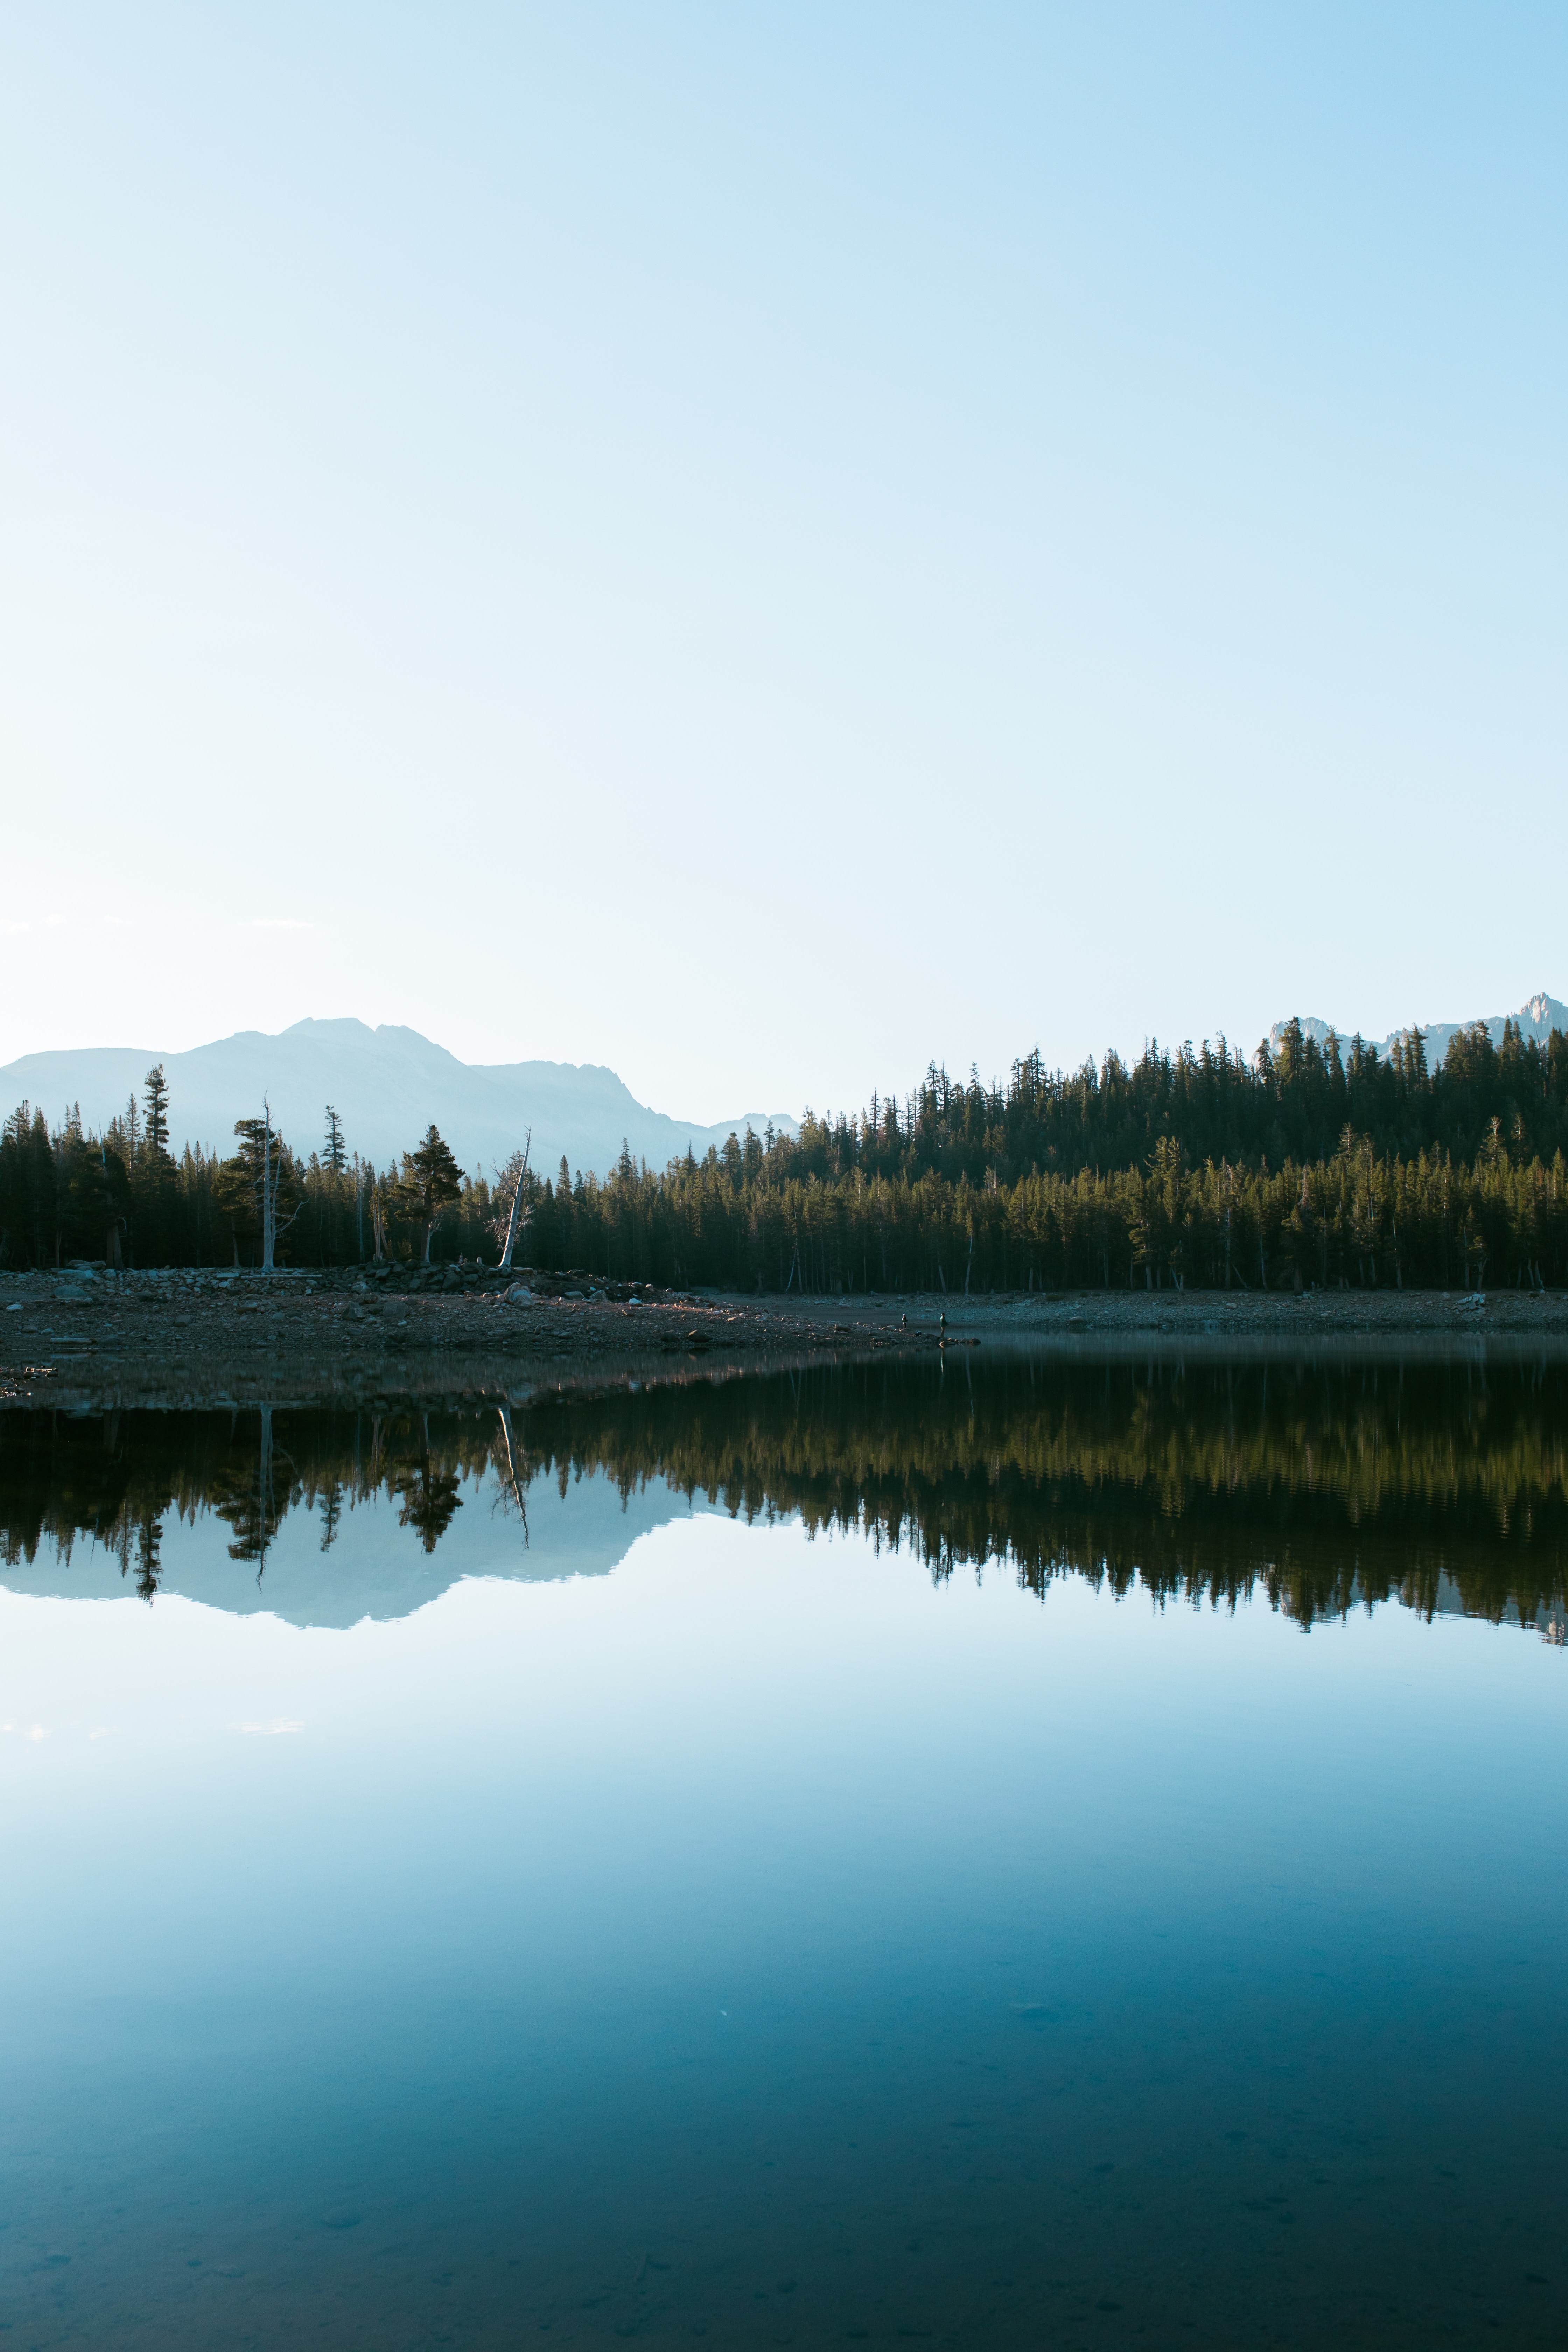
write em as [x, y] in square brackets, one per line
[160, 1337]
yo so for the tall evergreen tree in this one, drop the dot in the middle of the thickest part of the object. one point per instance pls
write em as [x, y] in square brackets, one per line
[431, 1180]
[157, 1126]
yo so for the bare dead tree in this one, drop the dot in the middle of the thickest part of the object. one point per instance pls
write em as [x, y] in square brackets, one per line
[519, 1216]
[271, 1184]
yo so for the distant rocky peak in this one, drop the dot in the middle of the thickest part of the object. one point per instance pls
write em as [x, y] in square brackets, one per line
[1535, 1019]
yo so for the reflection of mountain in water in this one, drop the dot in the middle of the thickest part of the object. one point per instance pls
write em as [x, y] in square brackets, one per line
[1324, 1484]
[330, 1517]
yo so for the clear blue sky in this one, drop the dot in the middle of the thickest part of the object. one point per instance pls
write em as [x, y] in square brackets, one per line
[760, 547]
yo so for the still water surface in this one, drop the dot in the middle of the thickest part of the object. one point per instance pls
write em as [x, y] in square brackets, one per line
[1063, 1853]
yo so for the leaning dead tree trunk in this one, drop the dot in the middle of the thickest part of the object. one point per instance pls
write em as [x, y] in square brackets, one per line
[272, 1184]
[268, 1189]
[517, 1219]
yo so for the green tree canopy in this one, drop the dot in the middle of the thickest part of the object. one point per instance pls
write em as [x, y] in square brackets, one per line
[432, 1180]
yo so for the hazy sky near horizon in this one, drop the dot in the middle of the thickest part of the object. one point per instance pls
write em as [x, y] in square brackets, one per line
[763, 547]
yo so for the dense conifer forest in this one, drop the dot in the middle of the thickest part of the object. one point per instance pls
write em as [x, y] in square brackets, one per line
[1301, 1166]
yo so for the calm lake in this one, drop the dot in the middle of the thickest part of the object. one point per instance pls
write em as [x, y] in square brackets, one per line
[1028, 1852]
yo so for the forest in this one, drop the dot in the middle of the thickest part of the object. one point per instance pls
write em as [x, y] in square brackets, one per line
[1302, 1166]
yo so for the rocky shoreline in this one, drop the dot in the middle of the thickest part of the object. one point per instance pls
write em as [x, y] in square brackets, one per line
[84, 1332]
[164, 1334]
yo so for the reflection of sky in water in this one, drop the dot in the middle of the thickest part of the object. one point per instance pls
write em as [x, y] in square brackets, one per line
[761, 1941]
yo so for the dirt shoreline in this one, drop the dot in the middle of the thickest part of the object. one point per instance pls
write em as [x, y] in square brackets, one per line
[84, 1333]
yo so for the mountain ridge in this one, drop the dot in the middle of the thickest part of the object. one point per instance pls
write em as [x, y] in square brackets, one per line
[387, 1084]
[1536, 1018]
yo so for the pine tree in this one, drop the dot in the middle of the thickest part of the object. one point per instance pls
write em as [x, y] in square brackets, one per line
[431, 1180]
[157, 1129]
[334, 1156]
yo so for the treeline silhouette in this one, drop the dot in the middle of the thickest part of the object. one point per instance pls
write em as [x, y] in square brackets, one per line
[1323, 1486]
[1305, 1165]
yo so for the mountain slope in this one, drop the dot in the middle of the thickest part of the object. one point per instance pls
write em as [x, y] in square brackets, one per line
[387, 1084]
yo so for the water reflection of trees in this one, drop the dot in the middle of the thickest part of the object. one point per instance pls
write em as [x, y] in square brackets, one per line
[1324, 1484]
[114, 1479]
